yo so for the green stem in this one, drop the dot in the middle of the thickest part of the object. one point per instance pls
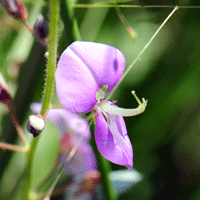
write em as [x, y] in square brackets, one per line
[52, 49]
[27, 174]
[51, 66]
[105, 169]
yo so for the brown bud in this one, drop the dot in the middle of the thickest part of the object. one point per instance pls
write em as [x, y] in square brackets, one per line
[41, 29]
[36, 124]
[5, 96]
[15, 8]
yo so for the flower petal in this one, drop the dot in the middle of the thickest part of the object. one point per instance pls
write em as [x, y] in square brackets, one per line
[105, 62]
[112, 139]
[76, 87]
[83, 160]
[83, 68]
[66, 121]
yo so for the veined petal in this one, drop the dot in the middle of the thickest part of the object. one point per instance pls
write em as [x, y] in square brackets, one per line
[83, 68]
[112, 139]
[75, 85]
[66, 121]
[106, 63]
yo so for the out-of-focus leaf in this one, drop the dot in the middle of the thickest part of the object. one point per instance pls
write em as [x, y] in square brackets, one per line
[124, 179]
[89, 27]
[46, 154]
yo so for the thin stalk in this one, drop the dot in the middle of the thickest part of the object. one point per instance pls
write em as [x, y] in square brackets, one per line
[17, 126]
[29, 28]
[56, 107]
[52, 50]
[131, 33]
[142, 51]
[28, 170]
[121, 17]
[101, 5]
[13, 147]
[51, 65]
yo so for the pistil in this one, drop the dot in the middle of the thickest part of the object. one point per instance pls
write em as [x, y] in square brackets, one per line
[108, 107]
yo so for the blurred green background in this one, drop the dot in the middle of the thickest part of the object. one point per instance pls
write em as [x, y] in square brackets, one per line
[165, 138]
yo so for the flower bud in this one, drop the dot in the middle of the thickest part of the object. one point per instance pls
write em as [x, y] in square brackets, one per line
[131, 33]
[15, 8]
[36, 124]
[41, 29]
[5, 96]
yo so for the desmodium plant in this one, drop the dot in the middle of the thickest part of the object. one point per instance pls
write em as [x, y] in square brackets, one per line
[87, 74]
[86, 71]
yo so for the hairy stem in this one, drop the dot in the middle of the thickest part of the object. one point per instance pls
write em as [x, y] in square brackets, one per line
[51, 66]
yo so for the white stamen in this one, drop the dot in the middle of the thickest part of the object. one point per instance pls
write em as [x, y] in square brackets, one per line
[106, 106]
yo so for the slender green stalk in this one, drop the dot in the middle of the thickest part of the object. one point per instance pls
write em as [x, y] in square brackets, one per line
[52, 50]
[28, 170]
[105, 169]
[51, 66]
[143, 50]
[106, 5]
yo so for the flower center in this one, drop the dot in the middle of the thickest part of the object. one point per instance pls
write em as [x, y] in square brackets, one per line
[101, 93]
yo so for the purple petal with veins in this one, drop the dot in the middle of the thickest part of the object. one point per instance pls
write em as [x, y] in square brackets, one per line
[112, 139]
[83, 68]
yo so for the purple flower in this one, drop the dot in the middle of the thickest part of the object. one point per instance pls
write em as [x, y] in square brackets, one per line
[74, 132]
[86, 72]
